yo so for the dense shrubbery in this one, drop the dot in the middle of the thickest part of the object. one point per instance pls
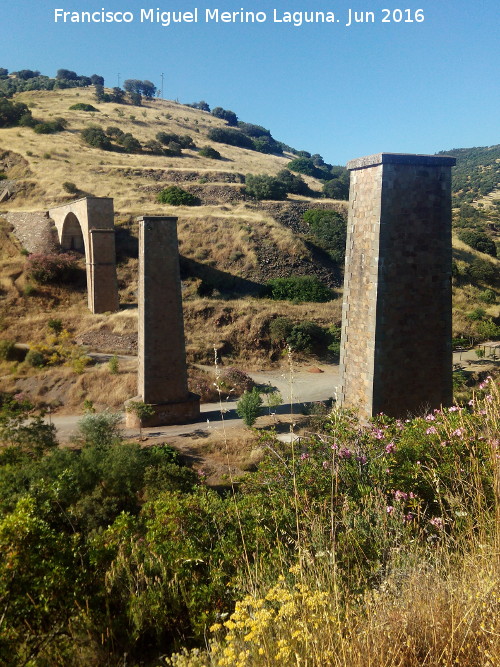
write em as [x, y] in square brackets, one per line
[114, 549]
[50, 127]
[229, 116]
[25, 80]
[52, 268]
[96, 137]
[208, 151]
[479, 241]
[230, 136]
[13, 113]
[81, 106]
[329, 230]
[262, 186]
[298, 288]
[176, 196]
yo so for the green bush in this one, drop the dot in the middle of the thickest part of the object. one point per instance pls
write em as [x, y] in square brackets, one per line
[208, 151]
[36, 359]
[306, 337]
[231, 137]
[279, 329]
[52, 127]
[176, 196]
[262, 186]
[7, 350]
[11, 113]
[96, 137]
[479, 241]
[329, 230]
[249, 406]
[70, 188]
[3, 176]
[488, 296]
[295, 185]
[225, 114]
[298, 288]
[480, 270]
[81, 106]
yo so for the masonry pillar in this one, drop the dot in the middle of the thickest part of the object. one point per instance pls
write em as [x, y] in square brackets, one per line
[162, 370]
[396, 354]
[102, 284]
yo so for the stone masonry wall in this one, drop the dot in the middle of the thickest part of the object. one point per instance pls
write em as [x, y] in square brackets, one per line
[396, 331]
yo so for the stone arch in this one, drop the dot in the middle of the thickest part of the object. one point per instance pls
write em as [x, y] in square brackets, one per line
[86, 225]
[72, 234]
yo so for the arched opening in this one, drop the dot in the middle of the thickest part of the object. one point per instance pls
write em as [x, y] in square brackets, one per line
[72, 237]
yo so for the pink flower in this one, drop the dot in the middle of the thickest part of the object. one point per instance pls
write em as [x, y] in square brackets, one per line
[431, 430]
[437, 522]
[430, 418]
[326, 464]
[454, 408]
[304, 457]
[389, 509]
[458, 432]
[390, 447]
[345, 453]
[361, 459]
[400, 495]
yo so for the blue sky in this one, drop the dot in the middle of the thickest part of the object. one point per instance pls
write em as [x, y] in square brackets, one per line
[340, 91]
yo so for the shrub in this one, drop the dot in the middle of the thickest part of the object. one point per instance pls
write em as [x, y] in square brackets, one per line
[130, 144]
[81, 106]
[7, 350]
[479, 241]
[11, 113]
[36, 359]
[298, 288]
[481, 270]
[3, 176]
[262, 186]
[70, 187]
[176, 196]
[225, 114]
[52, 127]
[329, 229]
[55, 325]
[488, 296]
[250, 406]
[337, 188]
[236, 380]
[96, 137]
[208, 151]
[231, 137]
[114, 365]
[279, 329]
[305, 337]
[52, 268]
[100, 430]
[304, 165]
[295, 185]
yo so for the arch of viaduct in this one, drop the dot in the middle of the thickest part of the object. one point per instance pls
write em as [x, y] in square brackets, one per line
[86, 225]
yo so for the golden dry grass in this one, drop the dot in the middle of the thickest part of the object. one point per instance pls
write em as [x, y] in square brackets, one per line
[103, 173]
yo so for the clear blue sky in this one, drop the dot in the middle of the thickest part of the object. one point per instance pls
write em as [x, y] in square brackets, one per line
[340, 91]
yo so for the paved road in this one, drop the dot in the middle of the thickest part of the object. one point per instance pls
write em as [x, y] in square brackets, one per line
[306, 387]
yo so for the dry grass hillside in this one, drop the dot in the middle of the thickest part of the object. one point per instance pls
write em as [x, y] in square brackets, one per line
[229, 245]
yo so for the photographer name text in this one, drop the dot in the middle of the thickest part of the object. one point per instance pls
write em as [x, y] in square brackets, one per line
[296, 19]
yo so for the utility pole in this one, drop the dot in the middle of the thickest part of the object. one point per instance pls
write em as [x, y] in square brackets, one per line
[162, 86]
[118, 79]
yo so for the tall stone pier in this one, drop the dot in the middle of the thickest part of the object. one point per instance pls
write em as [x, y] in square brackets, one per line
[162, 370]
[396, 354]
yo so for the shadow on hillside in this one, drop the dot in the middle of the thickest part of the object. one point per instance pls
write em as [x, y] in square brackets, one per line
[215, 279]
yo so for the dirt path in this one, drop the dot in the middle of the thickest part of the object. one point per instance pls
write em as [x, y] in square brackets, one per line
[302, 387]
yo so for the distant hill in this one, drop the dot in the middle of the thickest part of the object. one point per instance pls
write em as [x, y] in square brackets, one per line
[477, 173]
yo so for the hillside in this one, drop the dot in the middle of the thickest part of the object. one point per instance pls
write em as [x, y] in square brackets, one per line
[230, 244]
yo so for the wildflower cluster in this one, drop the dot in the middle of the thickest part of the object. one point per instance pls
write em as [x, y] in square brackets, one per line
[52, 268]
